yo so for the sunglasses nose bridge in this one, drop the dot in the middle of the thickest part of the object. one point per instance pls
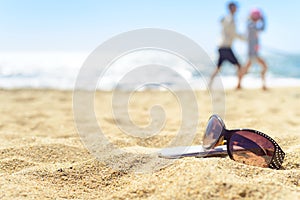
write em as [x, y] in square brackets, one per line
[222, 140]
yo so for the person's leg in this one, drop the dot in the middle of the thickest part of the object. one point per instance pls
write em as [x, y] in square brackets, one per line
[239, 74]
[222, 57]
[217, 70]
[245, 69]
[233, 60]
[263, 71]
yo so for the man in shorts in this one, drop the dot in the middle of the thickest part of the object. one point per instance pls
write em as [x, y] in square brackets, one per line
[225, 51]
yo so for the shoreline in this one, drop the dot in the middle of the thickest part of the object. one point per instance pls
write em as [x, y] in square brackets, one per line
[250, 81]
[126, 90]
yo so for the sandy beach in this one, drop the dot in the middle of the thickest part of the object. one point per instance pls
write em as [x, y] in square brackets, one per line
[42, 155]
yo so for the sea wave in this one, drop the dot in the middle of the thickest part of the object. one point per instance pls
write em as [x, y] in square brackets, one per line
[59, 70]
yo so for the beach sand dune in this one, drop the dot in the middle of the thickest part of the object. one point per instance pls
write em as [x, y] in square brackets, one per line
[42, 155]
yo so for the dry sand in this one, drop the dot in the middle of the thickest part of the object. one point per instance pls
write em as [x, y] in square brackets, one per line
[42, 156]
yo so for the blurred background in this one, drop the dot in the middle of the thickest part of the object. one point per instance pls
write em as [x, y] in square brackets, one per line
[44, 43]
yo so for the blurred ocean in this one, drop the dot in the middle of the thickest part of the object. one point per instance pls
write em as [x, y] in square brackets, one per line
[59, 70]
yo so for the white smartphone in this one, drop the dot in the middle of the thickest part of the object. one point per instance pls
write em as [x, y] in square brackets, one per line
[190, 151]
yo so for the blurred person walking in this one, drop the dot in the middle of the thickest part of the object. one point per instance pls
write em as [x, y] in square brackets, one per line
[229, 34]
[256, 24]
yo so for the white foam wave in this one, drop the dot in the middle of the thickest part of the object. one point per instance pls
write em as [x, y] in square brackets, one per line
[59, 70]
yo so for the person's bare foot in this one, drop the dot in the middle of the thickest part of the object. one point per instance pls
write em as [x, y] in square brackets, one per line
[264, 88]
[238, 87]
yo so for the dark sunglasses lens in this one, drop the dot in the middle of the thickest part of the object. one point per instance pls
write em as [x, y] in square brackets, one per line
[252, 149]
[212, 133]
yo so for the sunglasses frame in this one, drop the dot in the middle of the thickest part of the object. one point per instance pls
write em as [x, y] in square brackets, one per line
[278, 156]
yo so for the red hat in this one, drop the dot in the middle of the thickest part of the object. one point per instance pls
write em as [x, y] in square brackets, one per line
[255, 14]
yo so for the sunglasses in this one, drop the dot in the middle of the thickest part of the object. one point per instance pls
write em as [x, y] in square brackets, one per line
[246, 146]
